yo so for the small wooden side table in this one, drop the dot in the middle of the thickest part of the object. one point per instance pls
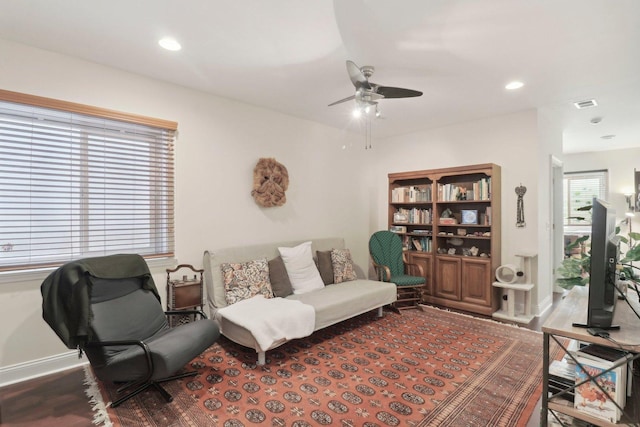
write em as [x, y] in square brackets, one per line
[184, 293]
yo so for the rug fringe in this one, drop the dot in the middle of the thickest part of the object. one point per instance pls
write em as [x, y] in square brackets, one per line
[100, 416]
[513, 325]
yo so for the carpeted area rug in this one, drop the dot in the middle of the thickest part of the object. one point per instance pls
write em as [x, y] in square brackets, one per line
[418, 368]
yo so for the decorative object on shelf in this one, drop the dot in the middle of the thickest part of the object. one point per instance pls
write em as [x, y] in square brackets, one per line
[455, 241]
[270, 181]
[469, 216]
[400, 217]
[520, 190]
[474, 251]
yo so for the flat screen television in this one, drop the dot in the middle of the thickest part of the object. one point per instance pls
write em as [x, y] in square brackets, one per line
[603, 273]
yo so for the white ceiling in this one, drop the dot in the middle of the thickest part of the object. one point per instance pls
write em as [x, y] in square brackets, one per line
[289, 55]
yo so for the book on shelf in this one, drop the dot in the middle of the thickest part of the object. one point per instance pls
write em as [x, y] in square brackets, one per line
[411, 194]
[609, 354]
[477, 190]
[596, 397]
[422, 244]
[562, 379]
[412, 216]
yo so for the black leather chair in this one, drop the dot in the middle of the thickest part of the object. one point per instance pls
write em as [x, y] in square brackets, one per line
[109, 308]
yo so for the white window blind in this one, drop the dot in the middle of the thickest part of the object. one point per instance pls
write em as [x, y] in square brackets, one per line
[74, 185]
[579, 190]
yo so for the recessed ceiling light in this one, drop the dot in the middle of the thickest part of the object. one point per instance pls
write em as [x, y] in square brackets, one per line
[170, 44]
[608, 136]
[514, 85]
[596, 120]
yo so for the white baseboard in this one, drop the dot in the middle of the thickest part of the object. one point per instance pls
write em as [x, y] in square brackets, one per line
[37, 368]
[544, 305]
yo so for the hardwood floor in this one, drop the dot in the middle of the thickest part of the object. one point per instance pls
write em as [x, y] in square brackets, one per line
[59, 399]
[53, 400]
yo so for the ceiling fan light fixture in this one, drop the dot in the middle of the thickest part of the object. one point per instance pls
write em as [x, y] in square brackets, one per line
[169, 44]
[514, 85]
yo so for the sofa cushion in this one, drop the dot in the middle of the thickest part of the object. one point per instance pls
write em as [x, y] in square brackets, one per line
[325, 266]
[301, 269]
[280, 283]
[245, 280]
[343, 270]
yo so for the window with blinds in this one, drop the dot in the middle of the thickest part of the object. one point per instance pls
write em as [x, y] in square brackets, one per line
[75, 185]
[579, 190]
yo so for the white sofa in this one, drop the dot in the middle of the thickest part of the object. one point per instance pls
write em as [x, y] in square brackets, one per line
[332, 304]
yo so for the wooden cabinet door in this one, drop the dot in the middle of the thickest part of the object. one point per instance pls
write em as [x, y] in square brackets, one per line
[476, 281]
[425, 260]
[447, 284]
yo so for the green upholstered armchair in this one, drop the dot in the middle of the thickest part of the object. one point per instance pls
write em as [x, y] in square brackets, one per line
[391, 265]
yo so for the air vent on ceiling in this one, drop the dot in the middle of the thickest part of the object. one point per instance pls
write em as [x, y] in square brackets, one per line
[585, 104]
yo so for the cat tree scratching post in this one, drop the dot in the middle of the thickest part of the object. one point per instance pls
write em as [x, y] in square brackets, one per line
[515, 279]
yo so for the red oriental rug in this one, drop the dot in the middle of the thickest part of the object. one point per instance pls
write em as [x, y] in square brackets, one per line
[418, 368]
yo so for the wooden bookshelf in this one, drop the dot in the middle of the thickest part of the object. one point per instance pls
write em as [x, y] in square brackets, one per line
[460, 254]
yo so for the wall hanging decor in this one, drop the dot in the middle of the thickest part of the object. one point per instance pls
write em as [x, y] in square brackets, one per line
[520, 190]
[270, 181]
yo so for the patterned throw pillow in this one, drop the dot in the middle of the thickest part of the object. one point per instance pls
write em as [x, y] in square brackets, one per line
[342, 266]
[245, 280]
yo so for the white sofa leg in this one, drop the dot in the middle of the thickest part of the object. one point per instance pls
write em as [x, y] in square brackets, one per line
[379, 311]
[261, 358]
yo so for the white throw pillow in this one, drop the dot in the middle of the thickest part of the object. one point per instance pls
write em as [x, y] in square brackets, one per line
[302, 271]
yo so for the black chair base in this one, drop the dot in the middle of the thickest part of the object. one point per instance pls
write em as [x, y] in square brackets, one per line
[155, 384]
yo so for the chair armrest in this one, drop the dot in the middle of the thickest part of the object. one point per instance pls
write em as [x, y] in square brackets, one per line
[382, 272]
[179, 312]
[409, 266]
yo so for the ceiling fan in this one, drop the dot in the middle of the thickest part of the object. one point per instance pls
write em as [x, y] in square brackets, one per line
[368, 93]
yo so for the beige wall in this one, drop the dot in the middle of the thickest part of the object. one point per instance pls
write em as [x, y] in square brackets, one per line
[333, 191]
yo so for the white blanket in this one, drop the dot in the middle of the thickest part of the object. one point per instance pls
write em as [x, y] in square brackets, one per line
[271, 319]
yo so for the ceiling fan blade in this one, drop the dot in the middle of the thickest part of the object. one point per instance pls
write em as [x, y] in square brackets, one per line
[349, 98]
[358, 79]
[396, 92]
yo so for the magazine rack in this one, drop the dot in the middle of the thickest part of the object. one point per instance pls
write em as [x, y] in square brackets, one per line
[573, 308]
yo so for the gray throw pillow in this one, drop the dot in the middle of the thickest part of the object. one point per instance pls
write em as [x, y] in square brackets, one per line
[325, 266]
[279, 278]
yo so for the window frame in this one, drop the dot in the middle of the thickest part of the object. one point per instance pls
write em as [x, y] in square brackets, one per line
[167, 195]
[602, 175]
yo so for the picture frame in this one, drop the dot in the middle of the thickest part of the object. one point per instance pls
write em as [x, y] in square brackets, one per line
[469, 216]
